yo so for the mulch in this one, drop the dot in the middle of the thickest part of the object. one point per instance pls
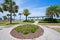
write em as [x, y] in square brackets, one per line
[39, 32]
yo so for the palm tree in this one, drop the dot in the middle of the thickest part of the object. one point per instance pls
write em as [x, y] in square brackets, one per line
[1, 10]
[8, 16]
[11, 7]
[14, 15]
[53, 11]
[26, 13]
[20, 15]
[4, 17]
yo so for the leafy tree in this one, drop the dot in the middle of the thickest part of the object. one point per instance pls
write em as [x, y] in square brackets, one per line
[14, 15]
[26, 13]
[10, 6]
[53, 11]
[20, 15]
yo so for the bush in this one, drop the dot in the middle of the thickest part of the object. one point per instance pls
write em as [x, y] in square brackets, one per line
[31, 21]
[28, 28]
[49, 20]
[58, 20]
[0, 19]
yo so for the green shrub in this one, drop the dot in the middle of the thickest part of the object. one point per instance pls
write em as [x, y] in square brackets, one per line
[31, 21]
[49, 20]
[28, 28]
[58, 20]
[43, 21]
[34, 29]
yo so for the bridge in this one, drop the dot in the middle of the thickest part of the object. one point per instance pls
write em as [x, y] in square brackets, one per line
[37, 17]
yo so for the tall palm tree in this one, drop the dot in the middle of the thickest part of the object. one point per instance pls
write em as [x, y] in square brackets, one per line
[14, 15]
[1, 10]
[20, 15]
[26, 13]
[53, 11]
[8, 16]
[11, 7]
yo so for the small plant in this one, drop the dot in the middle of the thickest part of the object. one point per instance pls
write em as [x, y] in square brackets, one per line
[27, 28]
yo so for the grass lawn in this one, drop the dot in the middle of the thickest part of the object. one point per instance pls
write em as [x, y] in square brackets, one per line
[5, 23]
[57, 29]
[50, 24]
[27, 28]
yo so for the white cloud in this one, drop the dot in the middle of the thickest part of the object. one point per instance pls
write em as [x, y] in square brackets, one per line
[38, 11]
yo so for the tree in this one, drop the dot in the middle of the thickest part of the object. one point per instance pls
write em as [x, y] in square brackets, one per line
[8, 16]
[53, 11]
[11, 7]
[4, 17]
[20, 15]
[14, 15]
[1, 10]
[26, 13]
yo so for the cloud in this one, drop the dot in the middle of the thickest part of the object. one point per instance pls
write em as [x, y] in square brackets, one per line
[38, 11]
[35, 11]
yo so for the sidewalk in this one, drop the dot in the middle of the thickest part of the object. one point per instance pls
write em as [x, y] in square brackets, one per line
[49, 34]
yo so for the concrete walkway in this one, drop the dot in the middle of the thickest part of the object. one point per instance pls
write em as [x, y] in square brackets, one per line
[49, 34]
[53, 26]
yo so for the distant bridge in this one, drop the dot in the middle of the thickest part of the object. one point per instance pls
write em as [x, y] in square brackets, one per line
[37, 17]
[40, 17]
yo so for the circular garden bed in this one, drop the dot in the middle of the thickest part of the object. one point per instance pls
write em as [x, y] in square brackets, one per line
[27, 31]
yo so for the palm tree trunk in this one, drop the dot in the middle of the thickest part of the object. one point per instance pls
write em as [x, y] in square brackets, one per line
[10, 18]
[52, 16]
[26, 18]
[11, 14]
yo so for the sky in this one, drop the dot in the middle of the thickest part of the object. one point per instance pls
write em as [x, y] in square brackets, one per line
[36, 7]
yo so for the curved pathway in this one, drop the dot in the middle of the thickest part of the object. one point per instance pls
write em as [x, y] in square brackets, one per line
[49, 34]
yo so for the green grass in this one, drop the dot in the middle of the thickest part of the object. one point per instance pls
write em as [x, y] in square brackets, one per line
[49, 24]
[57, 29]
[27, 28]
[5, 23]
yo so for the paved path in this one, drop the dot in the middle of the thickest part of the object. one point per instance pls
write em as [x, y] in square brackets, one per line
[49, 34]
[53, 26]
